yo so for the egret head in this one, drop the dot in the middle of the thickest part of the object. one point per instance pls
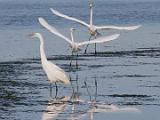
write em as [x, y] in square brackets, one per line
[72, 29]
[90, 5]
[33, 34]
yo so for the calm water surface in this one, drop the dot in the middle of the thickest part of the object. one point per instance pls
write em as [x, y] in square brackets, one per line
[121, 83]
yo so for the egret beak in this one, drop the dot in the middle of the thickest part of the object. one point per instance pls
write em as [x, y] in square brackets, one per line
[31, 34]
[72, 29]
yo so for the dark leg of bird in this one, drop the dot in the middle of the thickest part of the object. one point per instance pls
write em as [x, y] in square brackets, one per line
[77, 61]
[50, 89]
[87, 45]
[87, 90]
[56, 89]
[71, 59]
[73, 89]
[77, 82]
[72, 86]
[95, 47]
[96, 89]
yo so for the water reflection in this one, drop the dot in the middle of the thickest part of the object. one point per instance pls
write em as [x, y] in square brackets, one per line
[98, 107]
[74, 107]
[55, 107]
[24, 88]
[95, 87]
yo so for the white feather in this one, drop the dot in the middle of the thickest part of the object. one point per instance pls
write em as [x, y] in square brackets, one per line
[93, 28]
[69, 18]
[118, 28]
[52, 29]
[75, 45]
[100, 40]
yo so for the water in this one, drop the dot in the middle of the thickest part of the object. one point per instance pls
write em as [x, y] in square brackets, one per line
[121, 82]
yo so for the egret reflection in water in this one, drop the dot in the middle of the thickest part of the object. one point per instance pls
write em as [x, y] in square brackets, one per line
[73, 107]
[55, 107]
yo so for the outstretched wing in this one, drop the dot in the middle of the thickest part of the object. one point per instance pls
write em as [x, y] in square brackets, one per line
[118, 28]
[69, 18]
[100, 40]
[52, 29]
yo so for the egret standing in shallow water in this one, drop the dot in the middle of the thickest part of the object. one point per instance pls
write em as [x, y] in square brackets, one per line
[53, 72]
[93, 29]
[75, 46]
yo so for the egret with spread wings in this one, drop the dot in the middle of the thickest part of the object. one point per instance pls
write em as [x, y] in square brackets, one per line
[75, 46]
[93, 29]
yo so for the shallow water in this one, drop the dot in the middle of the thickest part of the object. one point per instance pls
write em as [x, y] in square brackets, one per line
[121, 82]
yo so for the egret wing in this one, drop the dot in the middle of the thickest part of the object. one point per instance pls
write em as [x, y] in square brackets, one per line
[69, 18]
[100, 40]
[118, 28]
[52, 29]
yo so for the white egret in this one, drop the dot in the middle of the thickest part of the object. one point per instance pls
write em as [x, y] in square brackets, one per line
[53, 72]
[75, 46]
[93, 29]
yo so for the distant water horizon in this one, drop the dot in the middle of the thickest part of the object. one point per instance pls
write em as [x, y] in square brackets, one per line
[117, 12]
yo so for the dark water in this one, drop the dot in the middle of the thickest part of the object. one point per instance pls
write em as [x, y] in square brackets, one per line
[121, 83]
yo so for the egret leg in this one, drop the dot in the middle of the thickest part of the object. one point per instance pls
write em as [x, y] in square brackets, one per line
[87, 45]
[95, 50]
[73, 91]
[95, 47]
[77, 83]
[77, 60]
[71, 59]
[72, 86]
[56, 89]
[87, 90]
[96, 89]
[50, 89]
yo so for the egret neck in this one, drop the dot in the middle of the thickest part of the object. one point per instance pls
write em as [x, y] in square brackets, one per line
[72, 38]
[43, 56]
[91, 15]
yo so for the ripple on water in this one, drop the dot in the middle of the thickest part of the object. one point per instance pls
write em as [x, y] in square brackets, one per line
[24, 87]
